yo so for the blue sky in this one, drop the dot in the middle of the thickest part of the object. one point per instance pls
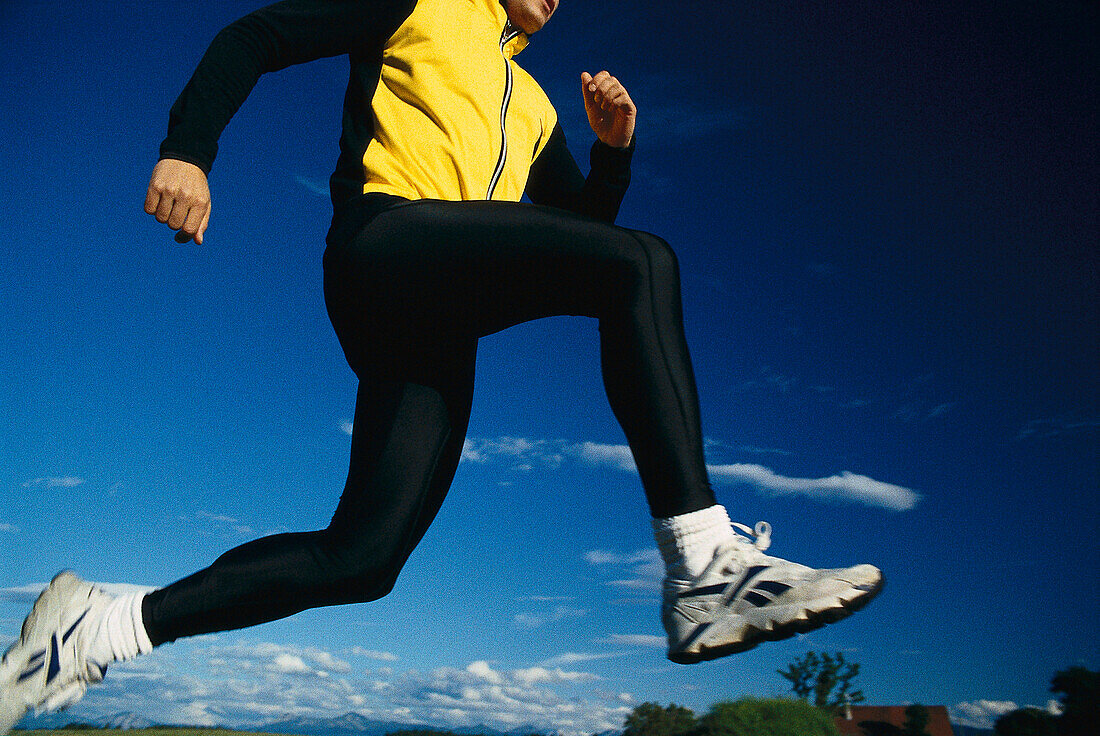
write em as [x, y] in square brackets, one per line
[887, 222]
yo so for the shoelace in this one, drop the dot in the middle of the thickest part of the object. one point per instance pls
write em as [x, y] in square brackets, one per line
[761, 535]
[735, 554]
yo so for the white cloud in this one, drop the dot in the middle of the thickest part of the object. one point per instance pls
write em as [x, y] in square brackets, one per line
[980, 713]
[570, 658]
[347, 426]
[755, 450]
[67, 481]
[919, 411]
[313, 187]
[291, 664]
[650, 582]
[219, 525]
[939, 410]
[4, 527]
[603, 557]
[845, 486]
[524, 454]
[644, 569]
[1056, 427]
[197, 712]
[984, 713]
[532, 675]
[23, 594]
[616, 456]
[558, 613]
[482, 669]
[638, 640]
[326, 661]
[373, 654]
[249, 684]
[528, 620]
[775, 382]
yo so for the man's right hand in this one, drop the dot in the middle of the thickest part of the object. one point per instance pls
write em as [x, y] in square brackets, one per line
[180, 197]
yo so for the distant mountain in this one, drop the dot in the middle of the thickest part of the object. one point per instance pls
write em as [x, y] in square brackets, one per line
[355, 724]
[527, 730]
[481, 729]
[349, 724]
[122, 721]
[46, 721]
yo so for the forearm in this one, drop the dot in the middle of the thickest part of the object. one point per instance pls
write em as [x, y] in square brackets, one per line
[555, 179]
[607, 180]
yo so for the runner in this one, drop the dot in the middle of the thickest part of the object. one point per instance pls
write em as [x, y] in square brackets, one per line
[429, 250]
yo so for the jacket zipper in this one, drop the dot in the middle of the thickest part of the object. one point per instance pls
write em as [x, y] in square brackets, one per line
[506, 35]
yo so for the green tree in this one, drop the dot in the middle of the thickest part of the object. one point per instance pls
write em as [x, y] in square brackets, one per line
[766, 717]
[1080, 689]
[651, 719]
[827, 677]
[1026, 722]
[916, 718]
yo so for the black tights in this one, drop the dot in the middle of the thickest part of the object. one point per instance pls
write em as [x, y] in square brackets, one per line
[409, 297]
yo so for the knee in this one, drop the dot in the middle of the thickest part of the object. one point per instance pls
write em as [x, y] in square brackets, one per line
[373, 587]
[359, 575]
[362, 584]
[648, 261]
[662, 258]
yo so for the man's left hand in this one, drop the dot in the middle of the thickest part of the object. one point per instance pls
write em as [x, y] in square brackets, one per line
[611, 112]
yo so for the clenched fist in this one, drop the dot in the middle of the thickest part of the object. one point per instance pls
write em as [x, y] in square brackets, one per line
[179, 196]
[611, 112]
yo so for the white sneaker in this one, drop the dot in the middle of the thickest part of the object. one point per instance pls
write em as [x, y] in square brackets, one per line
[47, 668]
[745, 597]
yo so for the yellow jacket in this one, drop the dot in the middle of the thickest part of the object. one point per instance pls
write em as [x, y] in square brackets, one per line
[455, 116]
[436, 107]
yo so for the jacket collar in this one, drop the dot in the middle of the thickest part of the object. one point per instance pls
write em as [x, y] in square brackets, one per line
[519, 42]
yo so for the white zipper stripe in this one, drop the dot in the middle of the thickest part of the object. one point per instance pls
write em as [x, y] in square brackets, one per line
[506, 35]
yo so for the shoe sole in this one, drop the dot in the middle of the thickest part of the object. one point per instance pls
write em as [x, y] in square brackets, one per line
[775, 623]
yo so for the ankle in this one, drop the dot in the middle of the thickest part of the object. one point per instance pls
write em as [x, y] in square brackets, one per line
[119, 634]
[688, 541]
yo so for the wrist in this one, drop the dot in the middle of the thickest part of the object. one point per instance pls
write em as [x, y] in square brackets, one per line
[617, 145]
[607, 158]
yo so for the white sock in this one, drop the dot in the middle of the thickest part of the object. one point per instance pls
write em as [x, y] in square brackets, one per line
[688, 541]
[120, 633]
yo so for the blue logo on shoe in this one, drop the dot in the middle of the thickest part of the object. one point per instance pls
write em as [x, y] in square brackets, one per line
[755, 594]
[774, 587]
[34, 664]
[72, 628]
[55, 661]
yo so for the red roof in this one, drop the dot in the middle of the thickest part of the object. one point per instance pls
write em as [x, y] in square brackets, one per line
[865, 719]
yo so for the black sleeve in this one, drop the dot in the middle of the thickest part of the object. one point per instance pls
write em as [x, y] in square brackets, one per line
[555, 179]
[269, 39]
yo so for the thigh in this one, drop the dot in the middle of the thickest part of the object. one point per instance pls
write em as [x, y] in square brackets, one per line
[429, 270]
[409, 428]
